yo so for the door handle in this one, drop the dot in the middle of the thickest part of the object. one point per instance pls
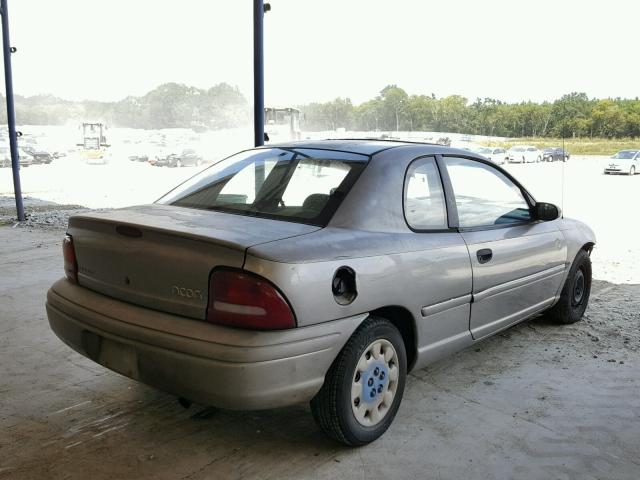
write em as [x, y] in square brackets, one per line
[484, 255]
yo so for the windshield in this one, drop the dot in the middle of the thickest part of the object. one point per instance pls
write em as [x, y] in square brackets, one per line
[625, 154]
[484, 150]
[297, 185]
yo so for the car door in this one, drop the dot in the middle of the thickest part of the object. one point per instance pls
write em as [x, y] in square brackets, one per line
[438, 266]
[517, 262]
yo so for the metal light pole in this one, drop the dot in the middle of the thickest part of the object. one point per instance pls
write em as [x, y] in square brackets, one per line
[259, 9]
[11, 113]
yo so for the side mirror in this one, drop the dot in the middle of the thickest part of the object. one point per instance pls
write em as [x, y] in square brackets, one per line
[546, 211]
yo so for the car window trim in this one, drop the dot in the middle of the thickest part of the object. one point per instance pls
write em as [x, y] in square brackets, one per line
[528, 198]
[447, 208]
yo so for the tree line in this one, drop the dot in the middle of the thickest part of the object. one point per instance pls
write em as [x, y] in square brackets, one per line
[224, 106]
[170, 105]
[573, 115]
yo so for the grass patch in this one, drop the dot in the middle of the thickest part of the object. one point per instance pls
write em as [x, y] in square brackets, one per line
[575, 146]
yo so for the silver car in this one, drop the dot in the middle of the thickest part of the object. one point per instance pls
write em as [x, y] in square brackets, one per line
[624, 162]
[316, 271]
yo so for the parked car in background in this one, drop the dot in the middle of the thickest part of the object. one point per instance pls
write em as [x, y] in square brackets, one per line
[164, 157]
[319, 272]
[39, 156]
[496, 154]
[5, 157]
[139, 157]
[26, 158]
[524, 154]
[625, 162]
[552, 154]
[187, 157]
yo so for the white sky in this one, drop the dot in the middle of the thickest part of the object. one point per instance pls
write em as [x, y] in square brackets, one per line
[316, 50]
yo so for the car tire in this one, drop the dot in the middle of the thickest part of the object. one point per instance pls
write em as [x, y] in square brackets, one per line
[632, 170]
[575, 292]
[179, 163]
[338, 409]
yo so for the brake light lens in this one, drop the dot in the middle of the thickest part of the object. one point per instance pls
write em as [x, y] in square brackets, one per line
[243, 300]
[70, 262]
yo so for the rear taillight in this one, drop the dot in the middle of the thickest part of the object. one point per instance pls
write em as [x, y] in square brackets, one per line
[70, 262]
[243, 300]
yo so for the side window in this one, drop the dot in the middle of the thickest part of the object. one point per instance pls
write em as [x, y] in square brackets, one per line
[484, 195]
[424, 205]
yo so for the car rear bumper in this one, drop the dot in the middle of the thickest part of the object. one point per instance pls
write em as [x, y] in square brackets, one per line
[210, 364]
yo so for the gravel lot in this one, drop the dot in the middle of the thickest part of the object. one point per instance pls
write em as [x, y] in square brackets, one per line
[537, 401]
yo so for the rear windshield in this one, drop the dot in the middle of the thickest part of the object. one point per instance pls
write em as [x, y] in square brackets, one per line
[297, 185]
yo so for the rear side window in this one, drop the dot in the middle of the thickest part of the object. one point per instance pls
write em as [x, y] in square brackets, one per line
[298, 185]
[484, 195]
[424, 204]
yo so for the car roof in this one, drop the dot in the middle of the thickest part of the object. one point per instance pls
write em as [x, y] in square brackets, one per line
[365, 146]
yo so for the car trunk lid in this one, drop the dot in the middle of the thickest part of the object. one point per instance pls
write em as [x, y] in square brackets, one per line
[160, 256]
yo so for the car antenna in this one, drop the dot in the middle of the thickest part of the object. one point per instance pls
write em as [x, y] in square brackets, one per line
[564, 154]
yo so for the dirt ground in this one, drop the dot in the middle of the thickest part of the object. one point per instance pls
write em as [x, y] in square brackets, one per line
[535, 402]
[538, 401]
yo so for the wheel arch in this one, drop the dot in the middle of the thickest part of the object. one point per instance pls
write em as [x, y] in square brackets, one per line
[588, 247]
[404, 321]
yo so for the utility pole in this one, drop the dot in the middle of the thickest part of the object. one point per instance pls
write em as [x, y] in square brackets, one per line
[259, 9]
[7, 50]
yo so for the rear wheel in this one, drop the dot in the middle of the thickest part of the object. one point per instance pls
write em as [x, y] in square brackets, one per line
[575, 293]
[363, 388]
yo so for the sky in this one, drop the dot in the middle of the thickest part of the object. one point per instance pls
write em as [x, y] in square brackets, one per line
[513, 50]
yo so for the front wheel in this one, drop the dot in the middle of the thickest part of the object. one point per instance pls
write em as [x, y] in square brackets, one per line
[363, 388]
[632, 170]
[575, 293]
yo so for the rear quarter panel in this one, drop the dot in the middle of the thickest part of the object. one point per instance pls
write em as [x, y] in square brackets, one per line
[394, 266]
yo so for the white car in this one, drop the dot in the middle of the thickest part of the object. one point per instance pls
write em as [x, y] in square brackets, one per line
[495, 154]
[625, 162]
[524, 154]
